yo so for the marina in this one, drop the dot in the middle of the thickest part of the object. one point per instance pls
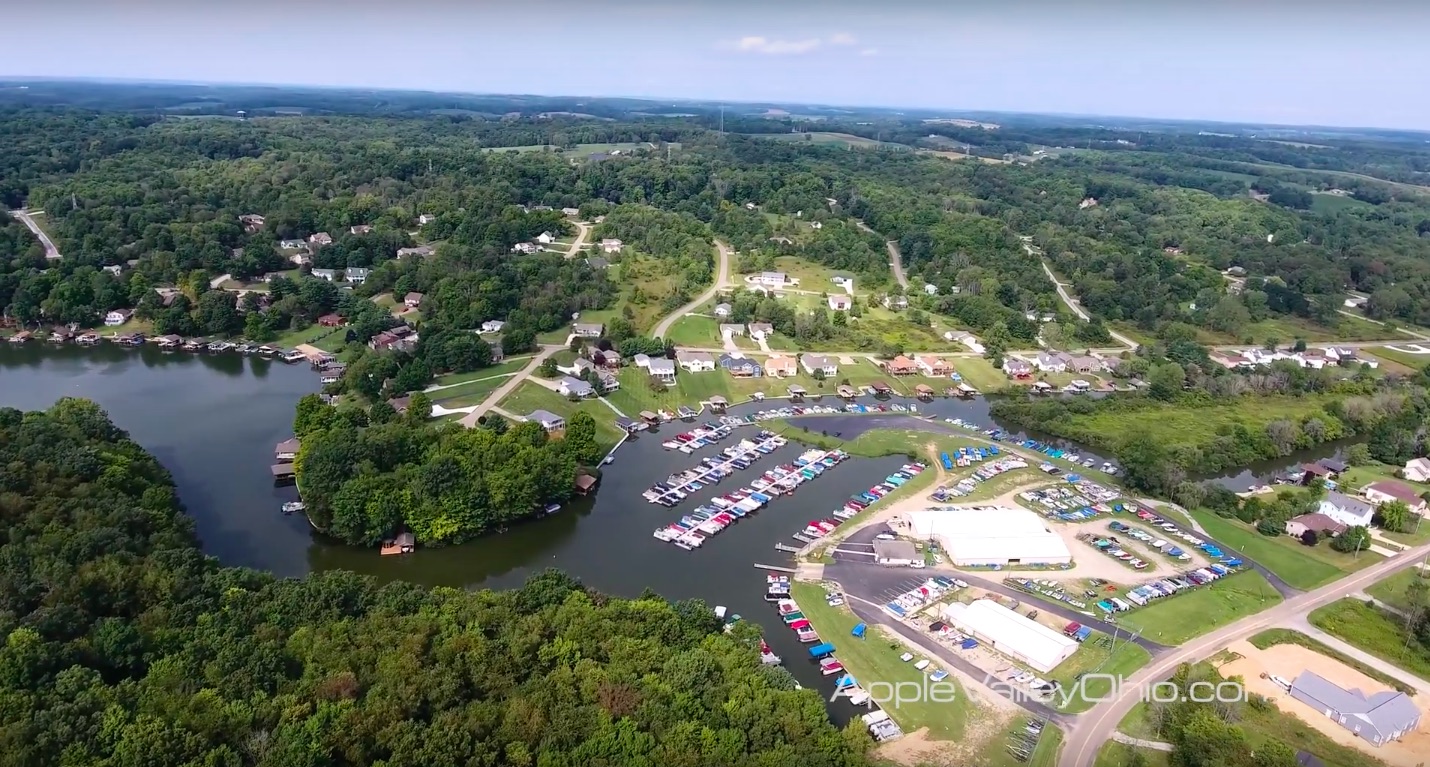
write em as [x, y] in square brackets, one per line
[819, 528]
[690, 441]
[691, 531]
[677, 487]
[168, 343]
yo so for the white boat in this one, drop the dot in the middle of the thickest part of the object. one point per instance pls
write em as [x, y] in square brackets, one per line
[609, 458]
[720, 611]
[293, 506]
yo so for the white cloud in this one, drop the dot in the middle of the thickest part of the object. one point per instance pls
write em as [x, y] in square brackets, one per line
[775, 46]
[869, 52]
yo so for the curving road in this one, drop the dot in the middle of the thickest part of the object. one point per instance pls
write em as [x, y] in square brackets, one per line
[896, 262]
[51, 252]
[722, 281]
[1096, 726]
[1072, 303]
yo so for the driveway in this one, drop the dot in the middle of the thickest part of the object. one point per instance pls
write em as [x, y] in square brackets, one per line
[722, 282]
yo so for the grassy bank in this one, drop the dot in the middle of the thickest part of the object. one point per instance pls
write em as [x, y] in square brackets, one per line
[876, 659]
[1115, 754]
[1174, 620]
[1392, 590]
[1303, 567]
[1095, 656]
[1374, 631]
[1273, 637]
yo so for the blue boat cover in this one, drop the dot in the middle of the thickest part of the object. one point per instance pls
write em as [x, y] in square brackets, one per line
[859, 630]
[822, 649]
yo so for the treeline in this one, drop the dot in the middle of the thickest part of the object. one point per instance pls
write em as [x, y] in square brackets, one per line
[444, 483]
[125, 645]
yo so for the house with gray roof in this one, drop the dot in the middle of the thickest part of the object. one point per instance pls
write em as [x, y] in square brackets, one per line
[575, 387]
[723, 310]
[819, 363]
[760, 330]
[1348, 511]
[548, 420]
[357, 275]
[661, 369]
[731, 329]
[1376, 718]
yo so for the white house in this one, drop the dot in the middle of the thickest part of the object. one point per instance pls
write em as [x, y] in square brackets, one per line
[425, 219]
[1346, 510]
[723, 310]
[570, 211]
[843, 281]
[546, 238]
[493, 326]
[1051, 363]
[896, 303]
[840, 303]
[930, 289]
[731, 330]
[326, 274]
[819, 362]
[611, 246]
[1417, 470]
[761, 330]
[526, 247]
[588, 329]
[548, 420]
[291, 244]
[774, 279]
[575, 387]
[695, 362]
[118, 317]
[661, 369]
[115, 269]
[357, 275]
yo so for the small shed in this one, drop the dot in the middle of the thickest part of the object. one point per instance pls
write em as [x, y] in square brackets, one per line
[924, 391]
[719, 403]
[796, 391]
[649, 417]
[585, 483]
[880, 387]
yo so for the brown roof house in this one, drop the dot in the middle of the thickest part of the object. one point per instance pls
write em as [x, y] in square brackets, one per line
[1386, 491]
[900, 366]
[1320, 523]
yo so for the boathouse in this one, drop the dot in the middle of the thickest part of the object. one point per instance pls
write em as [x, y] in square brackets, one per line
[846, 392]
[880, 388]
[585, 483]
[404, 543]
[625, 424]
[924, 391]
[718, 403]
[283, 472]
[286, 450]
[796, 392]
[649, 417]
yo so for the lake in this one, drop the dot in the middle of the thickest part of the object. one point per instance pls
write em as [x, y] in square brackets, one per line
[213, 421]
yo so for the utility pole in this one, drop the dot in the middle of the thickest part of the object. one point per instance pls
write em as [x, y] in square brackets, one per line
[722, 120]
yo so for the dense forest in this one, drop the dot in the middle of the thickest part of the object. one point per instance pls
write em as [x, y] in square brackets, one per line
[126, 646]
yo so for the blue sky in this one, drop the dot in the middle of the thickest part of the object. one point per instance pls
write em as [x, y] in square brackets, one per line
[1358, 63]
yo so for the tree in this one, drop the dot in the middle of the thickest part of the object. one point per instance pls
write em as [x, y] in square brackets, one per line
[1393, 516]
[1310, 538]
[1358, 454]
[580, 439]
[419, 408]
[547, 368]
[996, 341]
[313, 414]
[1165, 382]
[1354, 539]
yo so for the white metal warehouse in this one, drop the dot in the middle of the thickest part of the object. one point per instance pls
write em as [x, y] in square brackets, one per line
[981, 536]
[1019, 638]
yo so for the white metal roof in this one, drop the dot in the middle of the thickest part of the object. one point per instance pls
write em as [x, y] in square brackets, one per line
[978, 533]
[1011, 633]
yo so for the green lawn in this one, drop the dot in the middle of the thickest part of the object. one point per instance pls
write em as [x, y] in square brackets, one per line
[1375, 631]
[531, 396]
[1174, 620]
[1180, 425]
[505, 367]
[1287, 329]
[1099, 657]
[1115, 754]
[1273, 637]
[696, 330]
[979, 373]
[1303, 567]
[1392, 590]
[876, 659]
[468, 394]
[1410, 360]
[1045, 754]
[309, 335]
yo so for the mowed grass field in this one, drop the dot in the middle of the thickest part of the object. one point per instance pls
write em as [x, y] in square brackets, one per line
[1375, 631]
[1303, 567]
[1182, 425]
[1174, 620]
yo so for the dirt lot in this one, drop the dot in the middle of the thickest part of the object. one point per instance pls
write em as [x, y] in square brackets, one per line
[1288, 661]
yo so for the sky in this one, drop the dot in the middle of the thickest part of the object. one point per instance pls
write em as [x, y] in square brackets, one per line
[1299, 62]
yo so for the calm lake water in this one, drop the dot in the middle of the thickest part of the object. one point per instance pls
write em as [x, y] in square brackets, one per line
[213, 421]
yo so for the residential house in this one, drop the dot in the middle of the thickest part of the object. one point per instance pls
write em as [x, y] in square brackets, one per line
[400, 338]
[412, 300]
[761, 331]
[400, 404]
[695, 362]
[728, 330]
[596, 262]
[840, 303]
[1386, 491]
[1346, 510]
[421, 251]
[300, 259]
[114, 269]
[252, 222]
[740, 366]
[575, 387]
[578, 367]
[819, 363]
[356, 275]
[331, 321]
[493, 326]
[816, 225]
[325, 274]
[722, 310]
[1417, 470]
[118, 317]
[781, 366]
[900, 366]
[236, 254]
[1017, 368]
[425, 219]
[292, 244]
[588, 329]
[546, 238]
[611, 246]
[773, 279]
[1229, 360]
[271, 276]
[932, 366]
[661, 369]
[1377, 718]
[1086, 364]
[570, 211]
[360, 229]
[609, 382]
[896, 303]
[549, 421]
[1056, 362]
[930, 289]
[843, 280]
[966, 338]
[320, 239]
[526, 247]
[1320, 523]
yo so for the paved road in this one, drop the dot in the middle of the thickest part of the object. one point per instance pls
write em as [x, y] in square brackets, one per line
[470, 421]
[1096, 726]
[582, 232]
[26, 216]
[1072, 303]
[896, 262]
[722, 282]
